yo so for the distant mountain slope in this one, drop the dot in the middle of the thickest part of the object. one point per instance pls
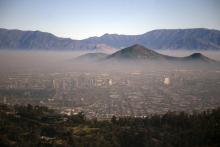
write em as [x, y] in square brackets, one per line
[16, 39]
[182, 39]
[26, 40]
[190, 39]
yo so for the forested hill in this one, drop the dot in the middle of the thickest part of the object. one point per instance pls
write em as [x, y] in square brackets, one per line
[40, 126]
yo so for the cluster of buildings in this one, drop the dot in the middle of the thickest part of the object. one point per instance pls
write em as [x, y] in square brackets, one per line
[102, 95]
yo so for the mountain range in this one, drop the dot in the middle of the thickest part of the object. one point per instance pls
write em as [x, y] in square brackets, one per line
[189, 39]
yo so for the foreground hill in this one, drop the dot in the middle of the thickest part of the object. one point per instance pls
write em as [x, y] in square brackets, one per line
[190, 39]
[40, 126]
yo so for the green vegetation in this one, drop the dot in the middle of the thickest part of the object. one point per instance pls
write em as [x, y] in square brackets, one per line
[39, 126]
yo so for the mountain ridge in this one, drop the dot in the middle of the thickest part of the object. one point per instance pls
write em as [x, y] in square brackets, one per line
[189, 39]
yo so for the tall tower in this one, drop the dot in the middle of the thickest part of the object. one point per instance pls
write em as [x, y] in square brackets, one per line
[166, 81]
[5, 100]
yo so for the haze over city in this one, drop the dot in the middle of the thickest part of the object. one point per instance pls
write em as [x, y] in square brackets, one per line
[95, 73]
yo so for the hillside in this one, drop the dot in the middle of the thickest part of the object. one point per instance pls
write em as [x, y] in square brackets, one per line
[140, 53]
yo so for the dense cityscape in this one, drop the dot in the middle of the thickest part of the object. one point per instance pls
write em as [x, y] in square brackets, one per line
[95, 73]
[106, 94]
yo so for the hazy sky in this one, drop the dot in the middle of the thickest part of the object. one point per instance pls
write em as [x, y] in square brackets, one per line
[79, 19]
